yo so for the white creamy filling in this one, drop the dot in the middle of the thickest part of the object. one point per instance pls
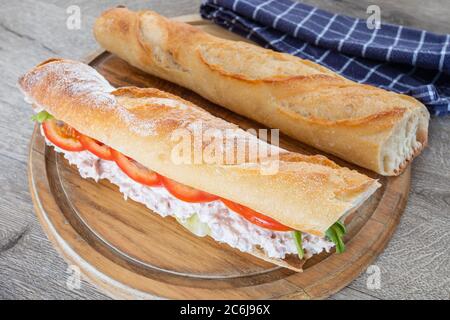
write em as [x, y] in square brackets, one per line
[224, 225]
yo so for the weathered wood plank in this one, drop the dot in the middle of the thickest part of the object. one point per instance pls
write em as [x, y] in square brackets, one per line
[30, 267]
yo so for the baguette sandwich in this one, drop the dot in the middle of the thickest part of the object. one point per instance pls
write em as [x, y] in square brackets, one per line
[373, 128]
[125, 135]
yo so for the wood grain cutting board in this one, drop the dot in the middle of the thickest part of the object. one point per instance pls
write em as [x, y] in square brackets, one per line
[130, 252]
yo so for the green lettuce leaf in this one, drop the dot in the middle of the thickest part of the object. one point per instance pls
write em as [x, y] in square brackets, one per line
[336, 233]
[42, 116]
[298, 243]
[194, 225]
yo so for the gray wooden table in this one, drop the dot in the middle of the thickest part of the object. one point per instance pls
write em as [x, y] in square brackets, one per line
[416, 264]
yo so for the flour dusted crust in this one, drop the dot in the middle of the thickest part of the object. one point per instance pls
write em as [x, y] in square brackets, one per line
[308, 193]
[371, 127]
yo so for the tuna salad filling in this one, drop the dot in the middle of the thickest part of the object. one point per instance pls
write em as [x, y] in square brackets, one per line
[212, 218]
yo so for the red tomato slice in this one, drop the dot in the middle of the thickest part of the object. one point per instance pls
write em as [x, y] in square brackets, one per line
[186, 193]
[136, 171]
[255, 217]
[62, 135]
[96, 147]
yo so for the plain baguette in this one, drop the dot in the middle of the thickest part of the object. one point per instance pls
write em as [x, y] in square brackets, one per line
[308, 193]
[371, 127]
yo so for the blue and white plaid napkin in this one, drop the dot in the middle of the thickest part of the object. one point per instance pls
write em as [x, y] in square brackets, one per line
[396, 58]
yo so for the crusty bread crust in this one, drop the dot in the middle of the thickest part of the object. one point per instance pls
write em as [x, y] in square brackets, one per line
[371, 127]
[308, 193]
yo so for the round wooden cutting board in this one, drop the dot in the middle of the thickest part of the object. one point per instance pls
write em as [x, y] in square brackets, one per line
[131, 252]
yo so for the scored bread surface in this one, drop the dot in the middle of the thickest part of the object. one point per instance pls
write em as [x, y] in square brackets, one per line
[374, 128]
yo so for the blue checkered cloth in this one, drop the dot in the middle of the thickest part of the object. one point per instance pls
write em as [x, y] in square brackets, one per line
[396, 58]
